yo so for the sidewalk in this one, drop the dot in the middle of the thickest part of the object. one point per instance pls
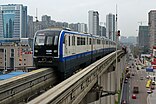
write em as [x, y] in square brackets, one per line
[151, 98]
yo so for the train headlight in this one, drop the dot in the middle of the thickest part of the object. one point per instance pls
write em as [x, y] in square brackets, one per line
[36, 51]
[55, 51]
[34, 57]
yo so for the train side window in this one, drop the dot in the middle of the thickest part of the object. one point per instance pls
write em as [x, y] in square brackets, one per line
[94, 41]
[73, 40]
[103, 42]
[90, 41]
[106, 42]
[78, 41]
[98, 41]
[69, 41]
[87, 40]
[82, 41]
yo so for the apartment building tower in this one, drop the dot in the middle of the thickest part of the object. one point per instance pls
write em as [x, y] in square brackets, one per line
[152, 28]
[110, 27]
[93, 22]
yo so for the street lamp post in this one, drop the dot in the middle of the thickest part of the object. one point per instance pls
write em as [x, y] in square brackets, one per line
[116, 47]
[117, 70]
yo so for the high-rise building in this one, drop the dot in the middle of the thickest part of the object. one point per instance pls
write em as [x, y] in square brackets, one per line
[128, 40]
[82, 27]
[61, 24]
[46, 18]
[102, 31]
[143, 36]
[46, 21]
[30, 32]
[93, 22]
[13, 22]
[73, 27]
[152, 28]
[110, 27]
[37, 26]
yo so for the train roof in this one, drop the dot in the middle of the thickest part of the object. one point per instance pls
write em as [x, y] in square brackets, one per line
[74, 32]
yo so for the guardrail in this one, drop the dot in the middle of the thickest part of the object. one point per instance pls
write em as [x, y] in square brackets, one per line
[74, 89]
[17, 89]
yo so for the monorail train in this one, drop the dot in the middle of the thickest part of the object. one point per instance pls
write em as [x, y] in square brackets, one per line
[66, 51]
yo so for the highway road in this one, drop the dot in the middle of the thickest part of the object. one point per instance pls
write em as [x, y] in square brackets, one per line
[141, 97]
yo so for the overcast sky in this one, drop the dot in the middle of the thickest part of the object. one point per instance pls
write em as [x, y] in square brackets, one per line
[130, 12]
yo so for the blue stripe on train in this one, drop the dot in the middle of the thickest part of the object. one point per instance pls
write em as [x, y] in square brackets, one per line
[62, 59]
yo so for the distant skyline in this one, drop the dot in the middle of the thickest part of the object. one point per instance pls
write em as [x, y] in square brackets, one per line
[130, 12]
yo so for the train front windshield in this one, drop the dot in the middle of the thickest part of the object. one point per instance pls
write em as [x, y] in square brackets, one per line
[46, 43]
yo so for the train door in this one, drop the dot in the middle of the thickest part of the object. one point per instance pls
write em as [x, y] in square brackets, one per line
[73, 44]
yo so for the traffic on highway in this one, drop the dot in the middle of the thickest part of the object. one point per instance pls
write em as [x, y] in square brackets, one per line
[138, 84]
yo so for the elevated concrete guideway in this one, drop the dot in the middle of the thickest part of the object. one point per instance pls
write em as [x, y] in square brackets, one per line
[25, 86]
[76, 89]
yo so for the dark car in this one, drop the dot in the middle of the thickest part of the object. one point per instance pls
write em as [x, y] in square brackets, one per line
[124, 102]
[135, 89]
[141, 78]
[128, 75]
[126, 80]
[137, 68]
[132, 74]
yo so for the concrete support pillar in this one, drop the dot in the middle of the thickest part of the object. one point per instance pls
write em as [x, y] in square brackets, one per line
[119, 75]
[108, 87]
[104, 85]
[112, 86]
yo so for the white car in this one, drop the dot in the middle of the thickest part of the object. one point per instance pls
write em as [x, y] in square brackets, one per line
[148, 77]
[153, 82]
[149, 91]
